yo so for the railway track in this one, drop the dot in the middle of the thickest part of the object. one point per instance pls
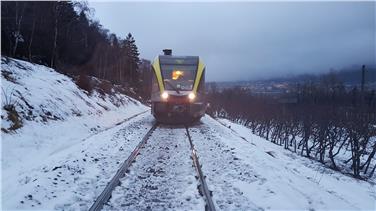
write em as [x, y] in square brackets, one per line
[106, 193]
[203, 189]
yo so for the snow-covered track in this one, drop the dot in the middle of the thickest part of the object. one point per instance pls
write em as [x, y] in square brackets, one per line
[106, 194]
[203, 187]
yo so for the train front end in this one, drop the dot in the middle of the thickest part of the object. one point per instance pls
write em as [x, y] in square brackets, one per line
[178, 88]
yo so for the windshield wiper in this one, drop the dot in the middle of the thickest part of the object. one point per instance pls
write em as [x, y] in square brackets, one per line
[173, 87]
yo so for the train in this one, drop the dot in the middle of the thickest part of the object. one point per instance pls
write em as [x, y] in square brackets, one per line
[178, 88]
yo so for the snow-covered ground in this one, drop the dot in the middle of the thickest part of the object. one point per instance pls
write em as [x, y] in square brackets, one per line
[73, 178]
[57, 118]
[267, 177]
[72, 143]
[163, 176]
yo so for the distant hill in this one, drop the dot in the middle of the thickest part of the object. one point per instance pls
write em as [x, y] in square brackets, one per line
[348, 76]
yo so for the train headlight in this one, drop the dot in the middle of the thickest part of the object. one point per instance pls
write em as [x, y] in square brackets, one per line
[191, 96]
[164, 95]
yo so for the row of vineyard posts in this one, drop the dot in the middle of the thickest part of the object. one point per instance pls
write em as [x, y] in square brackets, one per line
[325, 121]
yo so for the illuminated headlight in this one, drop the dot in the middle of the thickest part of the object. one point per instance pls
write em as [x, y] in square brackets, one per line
[191, 96]
[164, 95]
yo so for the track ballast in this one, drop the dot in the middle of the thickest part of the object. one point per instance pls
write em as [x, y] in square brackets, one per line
[143, 186]
[106, 194]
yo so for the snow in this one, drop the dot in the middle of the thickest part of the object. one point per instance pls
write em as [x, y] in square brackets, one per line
[163, 176]
[71, 144]
[58, 118]
[274, 178]
[73, 178]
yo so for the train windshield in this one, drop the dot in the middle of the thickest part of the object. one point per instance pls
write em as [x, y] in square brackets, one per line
[178, 77]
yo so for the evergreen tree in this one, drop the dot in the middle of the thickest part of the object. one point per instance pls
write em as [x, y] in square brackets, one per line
[132, 58]
[60, 35]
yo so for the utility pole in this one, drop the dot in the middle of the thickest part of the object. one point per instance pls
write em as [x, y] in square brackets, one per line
[363, 77]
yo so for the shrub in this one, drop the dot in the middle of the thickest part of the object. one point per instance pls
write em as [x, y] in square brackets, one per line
[9, 104]
[84, 83]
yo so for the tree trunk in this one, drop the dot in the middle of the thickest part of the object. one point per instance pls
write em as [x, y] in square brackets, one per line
[17, 33]
[55, 37]
[369, 159]
[31, 38]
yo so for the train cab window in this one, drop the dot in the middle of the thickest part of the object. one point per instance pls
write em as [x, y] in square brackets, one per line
[177, 74]
[178, 77]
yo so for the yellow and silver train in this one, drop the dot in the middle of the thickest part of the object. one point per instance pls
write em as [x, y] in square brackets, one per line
[178, 88]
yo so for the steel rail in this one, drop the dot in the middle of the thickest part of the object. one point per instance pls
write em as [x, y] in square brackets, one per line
[106, 193]
[203, 187]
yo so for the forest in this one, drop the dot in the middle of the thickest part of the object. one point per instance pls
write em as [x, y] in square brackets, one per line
[61, 35]
[321, 120]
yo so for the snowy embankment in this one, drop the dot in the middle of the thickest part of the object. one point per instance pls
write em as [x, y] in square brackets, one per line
[46, 116]
[60, 147]
[246, 172]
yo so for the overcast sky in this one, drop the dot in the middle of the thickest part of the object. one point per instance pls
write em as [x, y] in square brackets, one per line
[249, 40]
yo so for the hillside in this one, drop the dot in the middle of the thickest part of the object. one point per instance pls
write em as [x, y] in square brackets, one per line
[69, 144]
[44, 113]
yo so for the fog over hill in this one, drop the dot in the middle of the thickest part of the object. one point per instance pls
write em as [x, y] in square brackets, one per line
[350, 77]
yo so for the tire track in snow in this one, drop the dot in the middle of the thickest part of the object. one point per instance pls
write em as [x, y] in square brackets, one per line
[99, 132]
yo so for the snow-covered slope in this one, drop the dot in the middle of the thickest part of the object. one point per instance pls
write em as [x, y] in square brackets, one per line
[258, 174]
[70, 144]
[50, 115]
